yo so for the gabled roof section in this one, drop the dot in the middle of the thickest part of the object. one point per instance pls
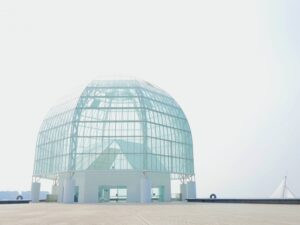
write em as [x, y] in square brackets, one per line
[128, 152]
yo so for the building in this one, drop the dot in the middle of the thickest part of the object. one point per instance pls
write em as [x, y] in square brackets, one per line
[122, 140]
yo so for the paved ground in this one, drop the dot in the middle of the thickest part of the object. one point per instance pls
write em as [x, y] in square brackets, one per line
[137, 214]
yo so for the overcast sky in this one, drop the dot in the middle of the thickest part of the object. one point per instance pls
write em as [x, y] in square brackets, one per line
[233, 66]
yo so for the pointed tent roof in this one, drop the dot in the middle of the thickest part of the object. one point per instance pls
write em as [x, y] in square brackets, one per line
[283, 191]
[131, 152]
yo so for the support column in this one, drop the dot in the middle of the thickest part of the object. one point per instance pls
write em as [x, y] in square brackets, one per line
[183, 194]
[60, 192]
[68, 191]
[145, 187]
[54, 190]
[53, 197]
[35, 192]
[191, 190]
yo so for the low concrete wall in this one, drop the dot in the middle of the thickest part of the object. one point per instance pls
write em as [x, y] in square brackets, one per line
[251, 201]
[14, 201]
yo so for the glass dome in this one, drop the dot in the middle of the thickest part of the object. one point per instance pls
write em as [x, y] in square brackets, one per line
[115, 125]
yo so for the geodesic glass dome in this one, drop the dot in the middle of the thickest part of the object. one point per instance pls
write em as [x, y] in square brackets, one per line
[115, 125]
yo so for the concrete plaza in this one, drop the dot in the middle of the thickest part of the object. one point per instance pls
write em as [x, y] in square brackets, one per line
[139, 214]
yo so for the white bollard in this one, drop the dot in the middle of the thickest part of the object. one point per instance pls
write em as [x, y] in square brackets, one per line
[35, 192]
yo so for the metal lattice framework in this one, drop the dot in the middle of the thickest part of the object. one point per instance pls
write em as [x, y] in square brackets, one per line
[115, 125]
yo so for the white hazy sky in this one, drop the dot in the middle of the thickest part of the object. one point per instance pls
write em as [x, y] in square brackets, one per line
[233, 66]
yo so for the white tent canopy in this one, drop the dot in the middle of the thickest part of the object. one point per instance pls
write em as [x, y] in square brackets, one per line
[283, 191]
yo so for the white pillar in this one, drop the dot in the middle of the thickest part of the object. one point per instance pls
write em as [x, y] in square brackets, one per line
[191, 190]
[183, 192]
[35, 192]
[54, 190]
[60, 192]
[145, 186]
[68, 192]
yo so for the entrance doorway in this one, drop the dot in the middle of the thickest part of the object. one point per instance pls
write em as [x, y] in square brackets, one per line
[112, 193]
[76, 194]
[157, 194]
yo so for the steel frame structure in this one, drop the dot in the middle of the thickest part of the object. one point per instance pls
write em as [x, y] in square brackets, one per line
[116, 125]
